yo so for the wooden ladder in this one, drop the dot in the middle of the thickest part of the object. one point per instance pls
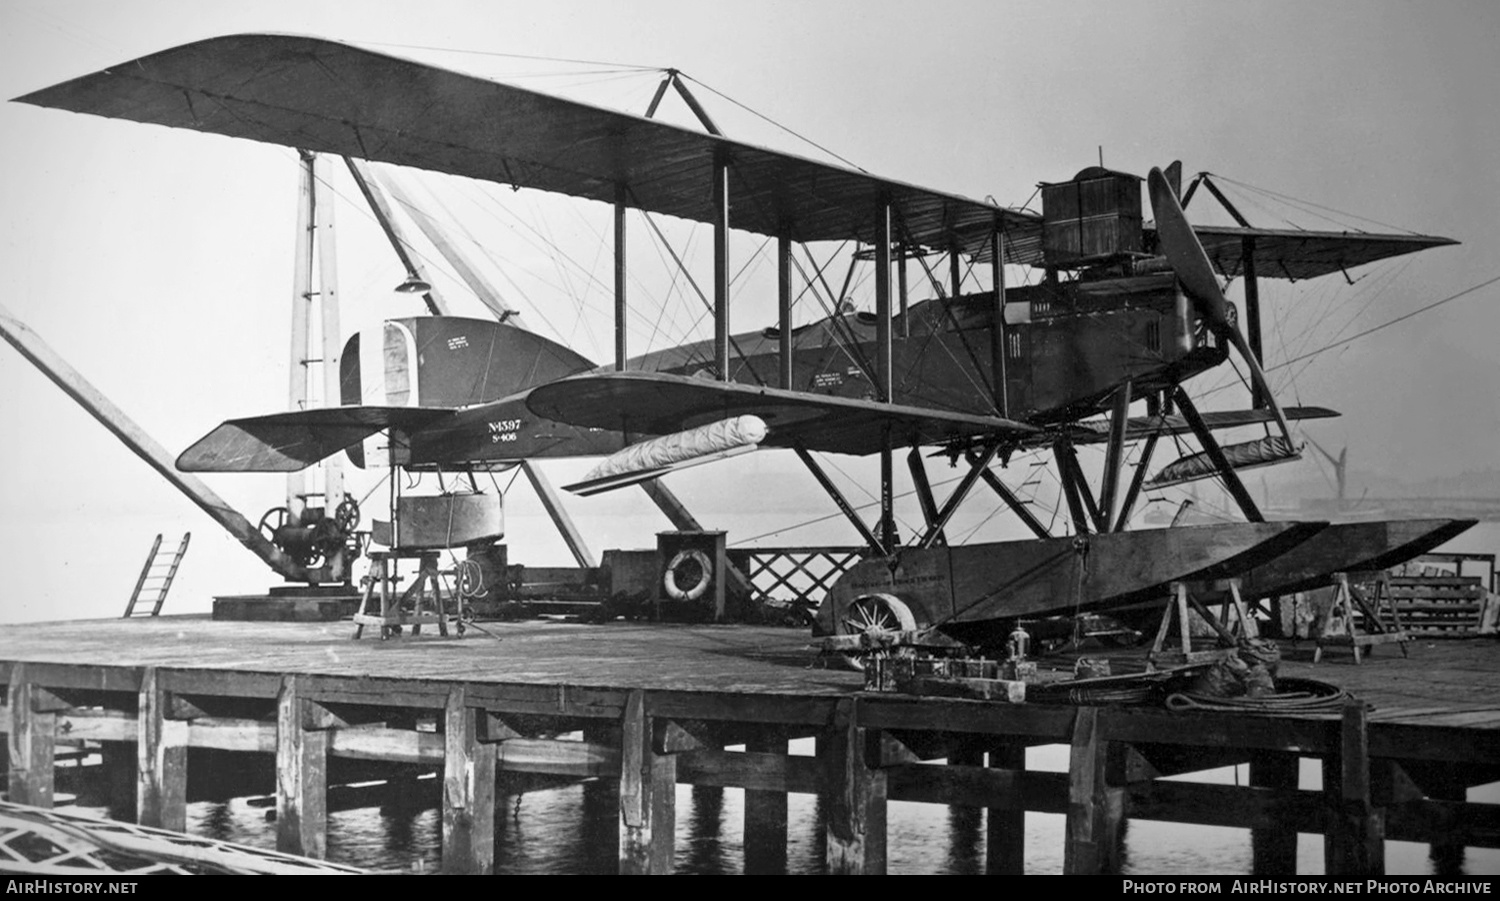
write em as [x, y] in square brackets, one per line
[159, 572]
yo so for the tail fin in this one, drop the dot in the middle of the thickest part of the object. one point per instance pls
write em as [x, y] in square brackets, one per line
[449, 361]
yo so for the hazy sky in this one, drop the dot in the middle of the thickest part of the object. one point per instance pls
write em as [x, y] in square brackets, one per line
[159, 262]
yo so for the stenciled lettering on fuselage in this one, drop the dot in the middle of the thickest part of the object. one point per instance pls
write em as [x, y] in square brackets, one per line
[504, 430]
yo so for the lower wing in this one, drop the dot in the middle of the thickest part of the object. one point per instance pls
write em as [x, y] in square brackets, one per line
[653, 403]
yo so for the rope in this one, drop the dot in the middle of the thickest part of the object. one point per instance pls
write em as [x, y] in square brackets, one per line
[1293, 696]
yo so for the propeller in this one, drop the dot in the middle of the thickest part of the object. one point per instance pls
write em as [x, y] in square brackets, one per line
[1196, 274]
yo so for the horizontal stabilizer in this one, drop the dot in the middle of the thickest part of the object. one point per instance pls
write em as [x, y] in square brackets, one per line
[654, 403]
[287, 442]
[1267, 451]
[658, 456]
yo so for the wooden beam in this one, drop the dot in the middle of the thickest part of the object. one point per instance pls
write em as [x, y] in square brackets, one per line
[332, 338]
[648, 796]
[923, 486]
[997, 333]
[620, 277]
[1252, 315]
[1355, 842]
[1069, 474]
[1095, 810]
[1216, 454]
[854, 796]
[297, 483]
[884, 355]
[552, 503]
[118, 762]
[1136, 480]
[903, 296]
[693, 104]
[760, 772]
[375, 197]
[1273, 852]
[888, 538]
[301, 777]
[765, 817]
[1016, 505]
[483, 290]
[161, 760]
[977, 467]
[720, 193]
[468, 791]
[784, 310]
[31, 744]
[1005, 827]
[1114, 453]
[838, 498]
[93, 401]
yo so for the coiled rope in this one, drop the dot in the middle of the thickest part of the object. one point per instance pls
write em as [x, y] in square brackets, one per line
[1292, 696]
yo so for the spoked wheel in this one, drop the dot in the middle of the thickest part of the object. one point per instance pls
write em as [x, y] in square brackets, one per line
[275, 518]
[346, 517]
[873, 612]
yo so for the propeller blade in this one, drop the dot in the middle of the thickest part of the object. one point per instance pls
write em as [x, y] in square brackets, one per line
[1174, 178]
[1185, 253]
[1258, 376]
[1181, 246]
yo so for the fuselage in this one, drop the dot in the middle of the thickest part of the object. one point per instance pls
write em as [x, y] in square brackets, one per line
[1068, 346]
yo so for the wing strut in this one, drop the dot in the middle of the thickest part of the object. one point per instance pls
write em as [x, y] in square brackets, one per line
[838, 498]
[1134, 490]
[1016, 505]
[553, 505]
[980, 464]
[1216, 454]
[924, 495]
[381, 207]
[1116, 448]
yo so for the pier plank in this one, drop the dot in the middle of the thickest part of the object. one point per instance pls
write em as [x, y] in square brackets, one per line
[176, 682]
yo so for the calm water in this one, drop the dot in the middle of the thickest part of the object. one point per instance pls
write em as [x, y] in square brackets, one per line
[571, 829]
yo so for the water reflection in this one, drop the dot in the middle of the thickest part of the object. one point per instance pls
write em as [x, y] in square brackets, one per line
[543, 827]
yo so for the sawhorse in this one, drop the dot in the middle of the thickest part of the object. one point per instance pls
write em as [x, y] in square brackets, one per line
[1233, 615]
[1338, 625]
[414, 607]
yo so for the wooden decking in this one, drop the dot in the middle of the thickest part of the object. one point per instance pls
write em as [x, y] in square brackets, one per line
[660, 704]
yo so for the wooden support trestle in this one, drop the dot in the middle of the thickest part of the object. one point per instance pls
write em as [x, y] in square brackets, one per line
[1339, 629]
[1233, 617]
[414, 607]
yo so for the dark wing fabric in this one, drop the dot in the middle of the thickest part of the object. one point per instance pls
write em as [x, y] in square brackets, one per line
[287, 442]
[333, 98]
[1139, 427]
[1295, 254]
[650, 403]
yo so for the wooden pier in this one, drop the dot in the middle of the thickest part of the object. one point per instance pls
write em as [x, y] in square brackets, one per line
[658, 705]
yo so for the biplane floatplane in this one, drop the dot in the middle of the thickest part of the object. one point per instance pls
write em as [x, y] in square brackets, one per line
[1124, 312]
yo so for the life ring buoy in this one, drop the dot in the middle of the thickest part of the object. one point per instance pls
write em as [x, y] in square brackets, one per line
[669, 582]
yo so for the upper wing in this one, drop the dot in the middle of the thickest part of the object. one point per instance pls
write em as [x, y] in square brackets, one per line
[1294, 254]
[329, 97]
[287, 442]
[654, 403]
